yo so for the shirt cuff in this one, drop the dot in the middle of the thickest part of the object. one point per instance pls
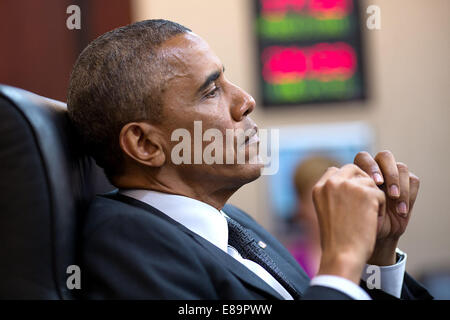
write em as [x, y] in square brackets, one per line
[386, 278]
[340, 284]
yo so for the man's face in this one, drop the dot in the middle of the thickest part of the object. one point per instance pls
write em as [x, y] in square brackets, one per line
[197, 90]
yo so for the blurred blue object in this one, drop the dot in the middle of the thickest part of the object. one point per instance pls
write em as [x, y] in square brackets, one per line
[339, 141]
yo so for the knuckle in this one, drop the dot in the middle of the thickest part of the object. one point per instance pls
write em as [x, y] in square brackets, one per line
[392, 176]
[347, 185]
[347, 166]
[376, 206]
[331, 184]
[316, 190]
[384, 154]
[413, 179]
[402, 167]
[380, 194]
[404, 193]
[370, 182]
[362, 155]
[375, 197]
[374, 201]
[332, 169]
[350, 166]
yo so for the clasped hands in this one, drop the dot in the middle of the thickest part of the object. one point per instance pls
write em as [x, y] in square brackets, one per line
[363, 209]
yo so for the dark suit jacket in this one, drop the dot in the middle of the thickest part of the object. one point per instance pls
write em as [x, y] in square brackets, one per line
[131, 250]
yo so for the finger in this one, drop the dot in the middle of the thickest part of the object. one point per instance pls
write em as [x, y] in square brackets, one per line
[381, 198]
[414, 184]
[368, 164]
[403, 201]
[388, 166]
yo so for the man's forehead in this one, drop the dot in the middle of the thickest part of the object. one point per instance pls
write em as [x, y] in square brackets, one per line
[190, 55]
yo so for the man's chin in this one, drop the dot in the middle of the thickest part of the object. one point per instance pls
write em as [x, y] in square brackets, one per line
[249, 172]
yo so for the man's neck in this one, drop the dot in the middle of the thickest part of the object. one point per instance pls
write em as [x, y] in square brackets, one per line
[205, 192]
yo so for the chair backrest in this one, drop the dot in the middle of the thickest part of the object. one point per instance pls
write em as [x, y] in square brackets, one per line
[46, 182]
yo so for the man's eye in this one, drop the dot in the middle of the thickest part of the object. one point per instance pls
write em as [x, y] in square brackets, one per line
[213, 93]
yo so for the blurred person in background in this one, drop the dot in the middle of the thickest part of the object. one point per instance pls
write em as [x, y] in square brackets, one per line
[305, 242]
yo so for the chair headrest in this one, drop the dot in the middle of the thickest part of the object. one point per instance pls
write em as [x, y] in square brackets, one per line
[46, 183]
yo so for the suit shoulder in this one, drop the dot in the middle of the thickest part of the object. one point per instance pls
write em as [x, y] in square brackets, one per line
[130, 252]
[106, 215]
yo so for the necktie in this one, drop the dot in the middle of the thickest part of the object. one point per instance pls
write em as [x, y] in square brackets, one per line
[242, 240]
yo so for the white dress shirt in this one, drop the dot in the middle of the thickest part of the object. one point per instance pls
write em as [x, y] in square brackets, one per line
[210, 224]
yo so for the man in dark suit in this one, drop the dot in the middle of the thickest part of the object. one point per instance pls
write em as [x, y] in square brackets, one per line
[167, 233]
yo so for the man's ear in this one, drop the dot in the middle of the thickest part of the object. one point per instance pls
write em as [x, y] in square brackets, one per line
[142, 142]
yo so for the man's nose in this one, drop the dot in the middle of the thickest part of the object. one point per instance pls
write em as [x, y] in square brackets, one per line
[242, 104]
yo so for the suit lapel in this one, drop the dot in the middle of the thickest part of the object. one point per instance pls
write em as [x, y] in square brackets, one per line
[224, 259]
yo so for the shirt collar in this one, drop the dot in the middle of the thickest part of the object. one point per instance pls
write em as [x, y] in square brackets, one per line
[199, 217]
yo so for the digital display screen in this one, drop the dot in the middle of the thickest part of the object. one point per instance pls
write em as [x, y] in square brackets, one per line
[309, 51]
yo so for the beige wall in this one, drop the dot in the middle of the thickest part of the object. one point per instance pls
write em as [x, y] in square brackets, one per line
[409, 108]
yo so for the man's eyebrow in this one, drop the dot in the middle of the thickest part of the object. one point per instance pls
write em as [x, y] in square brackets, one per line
[211, 78]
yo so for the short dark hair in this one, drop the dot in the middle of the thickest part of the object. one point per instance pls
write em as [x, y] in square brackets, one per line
[117, 79]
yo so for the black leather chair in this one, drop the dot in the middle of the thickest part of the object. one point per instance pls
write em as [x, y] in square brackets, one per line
[46, 182]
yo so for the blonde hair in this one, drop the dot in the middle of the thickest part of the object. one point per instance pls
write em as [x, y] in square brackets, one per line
[309, 171]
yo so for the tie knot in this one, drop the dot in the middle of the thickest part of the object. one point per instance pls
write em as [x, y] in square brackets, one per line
[238, 236]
